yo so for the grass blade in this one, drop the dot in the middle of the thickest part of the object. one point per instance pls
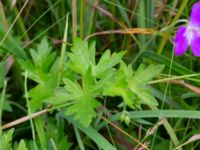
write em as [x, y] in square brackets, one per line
[91, 133]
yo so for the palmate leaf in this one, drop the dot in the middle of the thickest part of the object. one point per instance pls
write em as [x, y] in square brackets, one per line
[88, 81]
[22, 145]
[118, 86]
[41, 92]
[55, 132]
[144, 94]
[82, 56]
[144, 75]
[140, 78]
[80, 97]
[106, 62]
[131, 86]
[39, 69]
[43, 57]
[42, 60]
[83, 109]
[6, 140]
[84, 101]
[81, 101]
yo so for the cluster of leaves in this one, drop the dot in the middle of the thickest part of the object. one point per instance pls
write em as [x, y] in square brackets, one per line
[54, 137]
[132, 86]
[94, 79]
[6, 142]
[41, 68]
[81, 97]
[85, 81]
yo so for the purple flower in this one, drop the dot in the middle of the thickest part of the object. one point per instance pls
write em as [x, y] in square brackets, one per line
[189, 35]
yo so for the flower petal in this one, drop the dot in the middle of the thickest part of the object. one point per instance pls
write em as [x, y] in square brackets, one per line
[180, 41]
[195, 46]
[194, 16]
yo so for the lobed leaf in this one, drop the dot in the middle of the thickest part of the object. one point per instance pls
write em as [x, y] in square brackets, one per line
[83, 109]
[131, 86]
[82, 56]
[106, 62]
[144, 75]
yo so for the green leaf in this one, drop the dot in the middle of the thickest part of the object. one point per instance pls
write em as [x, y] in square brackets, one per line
[83, 109]
[80, 97]
[141, 77]
[84, 102]
[131, 86]
[101, 84]
[88, 80]
[41, 92]
[6, 140]
[22, 145]
[63, 144]
[73, 88]
[42, 62]
[118, 86]
[55, 131]
[43, 57]
[190, 114]
[43, 69]
[82, 56]
[144, 75]
[81, 101]
[106, 62]
[144, 94]
[30, 67]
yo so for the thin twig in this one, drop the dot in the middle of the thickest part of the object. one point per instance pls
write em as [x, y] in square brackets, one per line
[124, 31]
[24, 119]
[125, 133]
[193, 88]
